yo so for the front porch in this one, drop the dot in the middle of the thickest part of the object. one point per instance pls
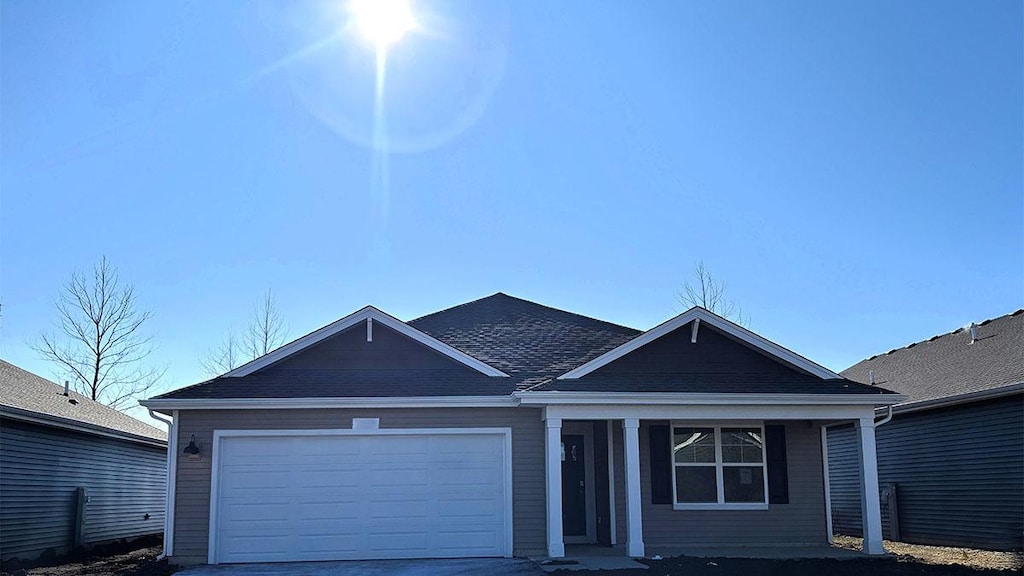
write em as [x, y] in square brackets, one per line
[722, 483]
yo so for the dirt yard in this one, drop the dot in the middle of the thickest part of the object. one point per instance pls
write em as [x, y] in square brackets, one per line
[894, 566]
[908, 560]
[943, 555]
[139, 562]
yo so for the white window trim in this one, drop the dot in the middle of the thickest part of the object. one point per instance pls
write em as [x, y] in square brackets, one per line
[718, 466]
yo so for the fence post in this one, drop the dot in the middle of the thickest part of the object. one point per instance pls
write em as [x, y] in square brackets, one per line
[81, 501]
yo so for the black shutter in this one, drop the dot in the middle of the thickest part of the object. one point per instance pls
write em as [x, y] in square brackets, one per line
[775, 457]
[660, 437]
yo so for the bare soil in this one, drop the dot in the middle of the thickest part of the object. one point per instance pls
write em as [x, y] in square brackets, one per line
[895, 566]
[908, 560]
[943, 555]
[103, 562]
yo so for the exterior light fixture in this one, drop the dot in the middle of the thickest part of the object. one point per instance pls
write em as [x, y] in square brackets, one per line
[192, 449]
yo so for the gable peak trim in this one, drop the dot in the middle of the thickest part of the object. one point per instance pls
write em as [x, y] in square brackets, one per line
[698, 314]
[368, 314]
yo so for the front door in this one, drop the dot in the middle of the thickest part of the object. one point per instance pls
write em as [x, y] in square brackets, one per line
[574, 489]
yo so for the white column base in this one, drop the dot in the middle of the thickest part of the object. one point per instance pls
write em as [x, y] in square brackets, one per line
[634, 521]
[871, 510]
[553, 486]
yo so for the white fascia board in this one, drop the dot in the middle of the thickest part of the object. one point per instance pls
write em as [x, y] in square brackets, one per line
[709, 412]
[690, 398]
[367, 313]
[718, 322]
[959, 399]
[349, 402]
[85, 428]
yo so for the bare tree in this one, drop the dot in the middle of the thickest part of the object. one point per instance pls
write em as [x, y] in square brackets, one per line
[100, 344]
[709, 293]
[266, 331]
[225, 357]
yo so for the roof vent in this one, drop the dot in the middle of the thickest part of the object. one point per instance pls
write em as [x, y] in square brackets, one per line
[65, 387]
[974, 332]
[871, 377]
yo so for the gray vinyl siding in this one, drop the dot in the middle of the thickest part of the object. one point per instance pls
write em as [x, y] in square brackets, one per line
[959, 473]
[801, 522]
[192, 504]
[41, 469]
[844, 480]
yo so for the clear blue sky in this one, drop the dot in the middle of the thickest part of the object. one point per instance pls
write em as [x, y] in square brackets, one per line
[853, 170]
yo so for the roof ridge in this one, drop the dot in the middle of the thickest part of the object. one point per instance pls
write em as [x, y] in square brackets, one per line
[939, 336]
[531, 302]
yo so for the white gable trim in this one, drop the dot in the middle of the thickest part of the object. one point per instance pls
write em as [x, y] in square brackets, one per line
[367, 314]
[702, 315]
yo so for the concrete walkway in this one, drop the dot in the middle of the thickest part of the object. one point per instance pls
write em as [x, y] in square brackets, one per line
[460, 567]
[762, 552]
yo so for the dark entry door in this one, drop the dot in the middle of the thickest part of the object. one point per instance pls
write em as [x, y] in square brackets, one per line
[574, 490]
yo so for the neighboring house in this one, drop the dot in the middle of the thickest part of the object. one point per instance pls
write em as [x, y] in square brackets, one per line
[73, 472]
[502, 427]
[951, 460]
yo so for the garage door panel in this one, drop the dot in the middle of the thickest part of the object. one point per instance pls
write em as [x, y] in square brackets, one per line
[481, 540]
[336, 497]
[396, 476]
[245, 450]
[407, 509]
[325, 447]
[344, 511]
[466, 477]
[241, 511]
[467, 509]
[248, 479]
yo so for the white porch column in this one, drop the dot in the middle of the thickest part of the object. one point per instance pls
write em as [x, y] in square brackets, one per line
[553, 467]
[634, 523]
[871, 512]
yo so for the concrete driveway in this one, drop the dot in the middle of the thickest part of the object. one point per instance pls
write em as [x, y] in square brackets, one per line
[460, 567]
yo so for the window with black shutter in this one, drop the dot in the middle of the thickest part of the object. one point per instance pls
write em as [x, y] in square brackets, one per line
[661, 464]
[775, 457]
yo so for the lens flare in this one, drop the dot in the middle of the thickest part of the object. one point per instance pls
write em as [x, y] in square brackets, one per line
[382, 22]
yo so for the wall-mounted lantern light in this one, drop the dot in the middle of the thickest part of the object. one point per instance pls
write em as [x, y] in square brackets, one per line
[192, 449]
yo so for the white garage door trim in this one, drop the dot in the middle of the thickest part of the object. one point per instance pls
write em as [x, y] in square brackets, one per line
[219, 435]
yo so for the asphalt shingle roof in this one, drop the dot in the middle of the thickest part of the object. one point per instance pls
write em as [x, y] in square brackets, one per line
[532, 343]
[24, 391]
[949, 364]
[529, 341]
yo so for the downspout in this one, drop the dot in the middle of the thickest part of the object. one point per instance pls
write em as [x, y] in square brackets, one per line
[172, 446]
[155, 416]
[886, 419]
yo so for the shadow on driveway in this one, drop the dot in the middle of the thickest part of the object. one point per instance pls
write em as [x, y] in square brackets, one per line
[460, 567]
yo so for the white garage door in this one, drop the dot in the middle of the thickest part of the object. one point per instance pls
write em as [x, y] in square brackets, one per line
[331, 496]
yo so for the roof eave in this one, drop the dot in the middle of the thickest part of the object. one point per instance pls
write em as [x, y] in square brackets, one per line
[662, 398]
[947, 401]
[491, 401]
[76, 426]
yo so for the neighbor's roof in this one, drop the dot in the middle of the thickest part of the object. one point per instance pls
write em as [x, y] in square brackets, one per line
[949, 364]
[27, 396]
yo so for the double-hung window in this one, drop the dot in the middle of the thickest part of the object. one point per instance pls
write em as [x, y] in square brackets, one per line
[719, 467]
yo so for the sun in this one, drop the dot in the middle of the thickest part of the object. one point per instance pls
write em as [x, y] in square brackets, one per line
[382, 22]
